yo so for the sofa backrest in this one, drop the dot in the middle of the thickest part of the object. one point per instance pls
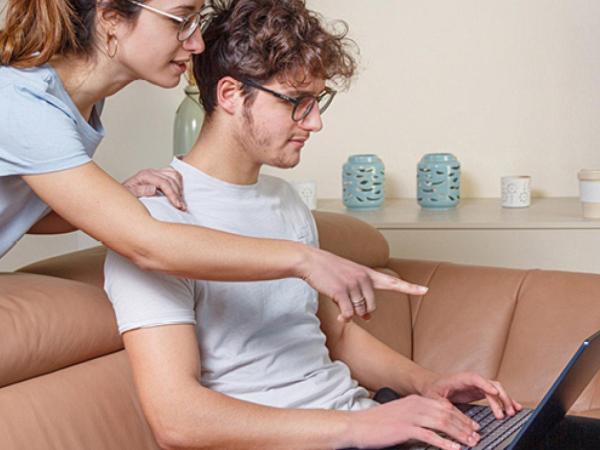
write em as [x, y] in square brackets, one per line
[518, 326]
[515, 325]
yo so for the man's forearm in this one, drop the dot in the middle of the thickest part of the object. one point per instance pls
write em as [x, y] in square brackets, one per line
[166, 367]
[208, 420]
[376, 365]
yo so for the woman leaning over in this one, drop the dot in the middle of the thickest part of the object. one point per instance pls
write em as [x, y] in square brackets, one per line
[59, 60]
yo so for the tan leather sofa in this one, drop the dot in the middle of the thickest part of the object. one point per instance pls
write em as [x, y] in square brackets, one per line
[65, 382]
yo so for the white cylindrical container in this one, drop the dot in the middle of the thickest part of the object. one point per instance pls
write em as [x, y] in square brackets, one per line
[516, 191]
[589, 192]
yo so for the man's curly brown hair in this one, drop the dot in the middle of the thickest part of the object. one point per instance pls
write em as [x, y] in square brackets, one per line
[262, 40]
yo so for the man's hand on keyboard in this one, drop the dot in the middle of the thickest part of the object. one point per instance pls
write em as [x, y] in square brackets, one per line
[413, 418]
[468, 387]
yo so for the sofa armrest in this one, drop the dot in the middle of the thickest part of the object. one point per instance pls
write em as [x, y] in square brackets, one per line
[48, 323]
[86, 266]
[352, 239]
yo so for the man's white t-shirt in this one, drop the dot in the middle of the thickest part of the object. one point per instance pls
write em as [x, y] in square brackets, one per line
[259, 341]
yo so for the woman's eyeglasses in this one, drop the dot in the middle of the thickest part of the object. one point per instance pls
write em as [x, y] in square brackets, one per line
[303, 105]
[188, 24]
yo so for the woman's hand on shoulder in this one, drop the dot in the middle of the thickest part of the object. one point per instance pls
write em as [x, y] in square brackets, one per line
[151, 182]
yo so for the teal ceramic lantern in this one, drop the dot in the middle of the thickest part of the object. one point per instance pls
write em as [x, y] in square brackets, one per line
[188, 121]
[363, 179]
[438, 181]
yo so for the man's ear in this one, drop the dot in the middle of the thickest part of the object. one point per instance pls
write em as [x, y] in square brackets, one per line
[229, 95]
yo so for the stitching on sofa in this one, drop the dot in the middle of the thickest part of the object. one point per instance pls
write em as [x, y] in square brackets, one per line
[526, 275]
[416, 317]
[412, 328]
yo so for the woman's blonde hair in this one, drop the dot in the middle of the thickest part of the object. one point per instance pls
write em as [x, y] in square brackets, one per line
[36, 30]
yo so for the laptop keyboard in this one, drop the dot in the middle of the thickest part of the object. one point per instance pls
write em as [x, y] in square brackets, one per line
[493, 431]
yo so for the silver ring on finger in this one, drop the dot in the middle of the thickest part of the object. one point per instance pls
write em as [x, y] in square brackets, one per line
[359, 303]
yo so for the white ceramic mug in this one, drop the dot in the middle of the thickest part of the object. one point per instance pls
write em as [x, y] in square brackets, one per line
[307, 191]
[516, 191]
[589, 192]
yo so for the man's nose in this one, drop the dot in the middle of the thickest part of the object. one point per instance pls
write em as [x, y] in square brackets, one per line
[313, 121]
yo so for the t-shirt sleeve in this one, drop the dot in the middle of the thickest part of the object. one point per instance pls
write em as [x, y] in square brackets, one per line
[146, 299]
[37, 134]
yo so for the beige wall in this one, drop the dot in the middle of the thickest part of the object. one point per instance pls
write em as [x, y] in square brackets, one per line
[508, 86]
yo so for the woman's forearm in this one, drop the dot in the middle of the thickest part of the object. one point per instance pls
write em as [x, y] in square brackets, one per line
[197, 252]
[104, 209]
[95, 203]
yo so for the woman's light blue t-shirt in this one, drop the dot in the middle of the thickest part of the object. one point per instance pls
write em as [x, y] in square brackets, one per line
[41, 131]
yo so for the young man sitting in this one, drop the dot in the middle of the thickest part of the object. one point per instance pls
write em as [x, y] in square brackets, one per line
[229, 365]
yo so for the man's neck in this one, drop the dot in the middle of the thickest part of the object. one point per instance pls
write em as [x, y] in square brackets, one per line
[217, 154]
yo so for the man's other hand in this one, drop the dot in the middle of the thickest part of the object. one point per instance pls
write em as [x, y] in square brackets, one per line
[468, 387]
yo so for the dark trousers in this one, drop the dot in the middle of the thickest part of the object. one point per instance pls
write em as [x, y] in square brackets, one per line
[573, 433]
[581, 433]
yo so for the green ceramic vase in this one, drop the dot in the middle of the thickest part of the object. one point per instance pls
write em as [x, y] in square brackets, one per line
[188, 121]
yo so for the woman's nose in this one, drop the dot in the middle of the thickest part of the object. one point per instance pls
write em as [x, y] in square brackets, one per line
[194, 44]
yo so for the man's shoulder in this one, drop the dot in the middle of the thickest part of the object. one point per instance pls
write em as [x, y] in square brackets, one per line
[161, 209]
[273, 181]
[278, 186]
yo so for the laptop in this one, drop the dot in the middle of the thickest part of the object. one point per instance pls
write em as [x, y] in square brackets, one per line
[528, 427]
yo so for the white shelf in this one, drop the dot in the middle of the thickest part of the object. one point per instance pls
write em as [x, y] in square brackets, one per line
[550, 234]
[475, 213]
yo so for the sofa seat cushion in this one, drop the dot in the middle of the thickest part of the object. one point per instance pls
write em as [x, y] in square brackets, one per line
[48, 323]
[594, 413]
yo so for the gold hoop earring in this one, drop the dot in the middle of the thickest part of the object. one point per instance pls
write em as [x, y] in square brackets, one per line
[112, 38]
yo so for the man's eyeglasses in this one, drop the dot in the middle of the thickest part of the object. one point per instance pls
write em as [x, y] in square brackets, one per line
[304, 104]
[188, 24]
